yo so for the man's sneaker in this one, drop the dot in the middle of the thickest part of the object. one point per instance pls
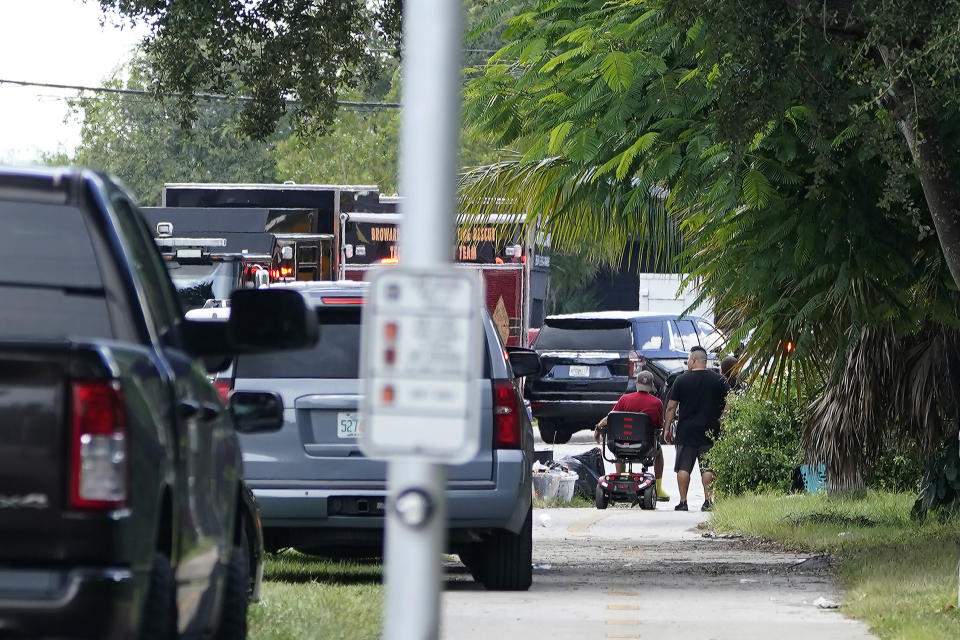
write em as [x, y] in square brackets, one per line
[707, 506]
[663, 496]
[681, 507]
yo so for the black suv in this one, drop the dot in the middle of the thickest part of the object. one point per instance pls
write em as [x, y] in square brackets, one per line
[591, 359]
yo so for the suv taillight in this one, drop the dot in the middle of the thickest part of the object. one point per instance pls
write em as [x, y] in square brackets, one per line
[507, 419]
[98, 462]
[636, 364]
[223, 388]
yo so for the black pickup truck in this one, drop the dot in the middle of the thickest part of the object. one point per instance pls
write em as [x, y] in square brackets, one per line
[122, 509]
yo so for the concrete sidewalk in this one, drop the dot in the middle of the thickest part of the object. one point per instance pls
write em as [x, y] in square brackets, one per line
[628, 573]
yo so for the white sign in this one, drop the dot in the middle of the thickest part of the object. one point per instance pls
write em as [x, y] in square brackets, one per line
[421, 361]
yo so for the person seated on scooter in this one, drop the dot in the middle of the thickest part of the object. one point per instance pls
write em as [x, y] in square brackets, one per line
[643, 401]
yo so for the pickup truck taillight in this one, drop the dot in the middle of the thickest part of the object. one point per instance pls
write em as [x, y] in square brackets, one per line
[507, 420]
[98, 462]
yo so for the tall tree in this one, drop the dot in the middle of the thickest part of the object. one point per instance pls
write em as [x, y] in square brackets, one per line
[269, 50]
[799, 206]
[361, 145]
[140, 140]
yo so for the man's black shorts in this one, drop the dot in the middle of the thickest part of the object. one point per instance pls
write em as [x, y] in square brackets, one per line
[687, 454]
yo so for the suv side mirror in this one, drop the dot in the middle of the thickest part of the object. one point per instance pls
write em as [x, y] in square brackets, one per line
[256, 412]
[270, 320]
[525, 362]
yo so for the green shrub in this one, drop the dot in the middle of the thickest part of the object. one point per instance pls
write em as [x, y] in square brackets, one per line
[898, 469]
[760, 447]
[760, 444]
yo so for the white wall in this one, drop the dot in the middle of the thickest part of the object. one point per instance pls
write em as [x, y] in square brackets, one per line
[660, 292]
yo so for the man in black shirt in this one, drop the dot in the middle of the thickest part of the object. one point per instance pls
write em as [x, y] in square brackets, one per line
[701, 397]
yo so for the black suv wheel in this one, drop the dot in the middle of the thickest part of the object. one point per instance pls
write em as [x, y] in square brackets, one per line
[548, 430]
[554, 431]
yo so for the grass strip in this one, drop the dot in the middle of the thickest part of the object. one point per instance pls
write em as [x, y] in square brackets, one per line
[578, 501]
[311, 598]
[899, 575]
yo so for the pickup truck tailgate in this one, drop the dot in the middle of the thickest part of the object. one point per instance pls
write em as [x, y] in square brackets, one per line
[33, 450]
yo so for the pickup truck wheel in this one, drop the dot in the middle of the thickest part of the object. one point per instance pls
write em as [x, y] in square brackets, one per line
[233, 615]
[160, 610]
[548, 431]
[562, 436]
[506, 559]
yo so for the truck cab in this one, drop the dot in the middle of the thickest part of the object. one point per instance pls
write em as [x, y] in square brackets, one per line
[123, 513]
[210, 267]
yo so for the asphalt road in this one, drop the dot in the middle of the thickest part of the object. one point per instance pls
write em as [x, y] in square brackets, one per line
[628, 573]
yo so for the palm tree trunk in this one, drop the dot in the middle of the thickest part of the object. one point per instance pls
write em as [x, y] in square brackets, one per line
[846, 484]
[936, 178]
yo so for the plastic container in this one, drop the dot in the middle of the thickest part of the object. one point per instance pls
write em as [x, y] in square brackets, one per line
[814, 479]
[546, 484]
[568, 482]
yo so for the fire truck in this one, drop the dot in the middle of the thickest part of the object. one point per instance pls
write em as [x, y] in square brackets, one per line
[512, 260]
[328, 232]
[304, 218]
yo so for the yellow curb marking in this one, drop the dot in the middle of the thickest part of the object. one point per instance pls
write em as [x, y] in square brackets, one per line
[623, 635]
[624, 622]
[622, 593]
[581, 526]
[624, 607]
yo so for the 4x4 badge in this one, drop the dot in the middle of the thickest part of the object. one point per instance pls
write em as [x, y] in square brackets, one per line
[27, 501]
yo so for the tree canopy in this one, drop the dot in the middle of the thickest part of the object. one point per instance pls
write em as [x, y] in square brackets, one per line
[270, 50]
[773, 136]
[141, 141]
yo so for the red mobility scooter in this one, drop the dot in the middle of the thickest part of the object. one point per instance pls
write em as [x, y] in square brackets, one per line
[630, 437]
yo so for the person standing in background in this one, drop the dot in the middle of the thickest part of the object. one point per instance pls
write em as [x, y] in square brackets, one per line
[726, 370]
[697, 399]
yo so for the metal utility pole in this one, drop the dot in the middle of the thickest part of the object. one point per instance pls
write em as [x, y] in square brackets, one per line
[416, 519]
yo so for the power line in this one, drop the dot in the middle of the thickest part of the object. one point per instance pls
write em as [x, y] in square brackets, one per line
[358, 106]
[389, 50]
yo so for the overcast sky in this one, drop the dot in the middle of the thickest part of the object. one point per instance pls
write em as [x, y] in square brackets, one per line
[53, 41]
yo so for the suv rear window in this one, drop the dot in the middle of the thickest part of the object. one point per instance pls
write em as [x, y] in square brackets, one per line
[336, 354]
[50, 285]
[584, 334]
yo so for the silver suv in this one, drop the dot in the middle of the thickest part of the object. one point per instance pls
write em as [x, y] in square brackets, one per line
[320, 494]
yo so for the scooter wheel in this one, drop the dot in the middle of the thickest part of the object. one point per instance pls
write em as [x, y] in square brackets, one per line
[649, 500]
[601, 498]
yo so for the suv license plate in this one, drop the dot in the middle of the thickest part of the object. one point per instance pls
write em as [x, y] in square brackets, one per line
[348, 425]
[579, 371]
